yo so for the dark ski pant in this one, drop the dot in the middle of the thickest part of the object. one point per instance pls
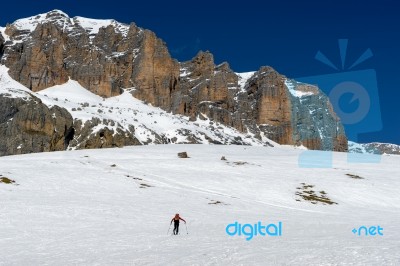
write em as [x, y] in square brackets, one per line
[176, 227]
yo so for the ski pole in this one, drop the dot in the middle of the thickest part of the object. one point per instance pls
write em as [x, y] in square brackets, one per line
[186, 229]
[169, 228]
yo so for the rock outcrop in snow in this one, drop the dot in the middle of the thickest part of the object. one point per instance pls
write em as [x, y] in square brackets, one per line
[27, 125]
[106, 57]
[374, 148]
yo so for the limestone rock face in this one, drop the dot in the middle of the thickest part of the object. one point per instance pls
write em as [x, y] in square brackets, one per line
[315, 124]
[27, 125]
[271, 105]
[117, 56]
[266, 104]
[105, 56]
[206, 89]
[155, 73]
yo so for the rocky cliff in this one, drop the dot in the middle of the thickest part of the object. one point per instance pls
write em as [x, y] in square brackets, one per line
[48, 49]
[374, 148]
[27, 125]
[106, 56]
[69, 117]
[263, 103]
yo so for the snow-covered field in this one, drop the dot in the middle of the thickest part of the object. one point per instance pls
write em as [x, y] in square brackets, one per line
[113, 207]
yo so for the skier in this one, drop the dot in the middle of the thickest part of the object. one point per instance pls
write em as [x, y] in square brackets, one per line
[176, 223]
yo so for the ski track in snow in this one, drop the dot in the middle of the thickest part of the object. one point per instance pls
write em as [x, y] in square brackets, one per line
[170, 183]
[71, 209]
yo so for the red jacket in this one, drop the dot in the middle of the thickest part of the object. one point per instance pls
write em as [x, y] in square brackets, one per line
[177, 218]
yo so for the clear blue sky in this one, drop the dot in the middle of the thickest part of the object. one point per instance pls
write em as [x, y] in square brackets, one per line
[283, 34]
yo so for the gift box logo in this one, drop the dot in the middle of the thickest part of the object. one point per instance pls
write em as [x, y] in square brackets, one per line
[355, 99]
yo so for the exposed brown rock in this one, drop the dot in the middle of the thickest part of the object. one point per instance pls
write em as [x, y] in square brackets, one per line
[155, 73]
[272, 104]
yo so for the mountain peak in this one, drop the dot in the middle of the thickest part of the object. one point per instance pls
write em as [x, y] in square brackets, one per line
[30, 23]
[24, 26]
[57, 12]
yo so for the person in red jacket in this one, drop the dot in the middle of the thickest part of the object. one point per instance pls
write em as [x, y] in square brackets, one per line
[176, 223]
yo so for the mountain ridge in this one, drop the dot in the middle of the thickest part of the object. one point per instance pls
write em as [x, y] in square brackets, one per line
[86, 121]
[107, 57]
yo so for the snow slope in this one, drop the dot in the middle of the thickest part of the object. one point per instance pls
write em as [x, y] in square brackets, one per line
[244, 77]
[93, 25]
[10, 87]
[126, 111]
[3, 33]
[89, 24]
[113, 207]
[290, 84]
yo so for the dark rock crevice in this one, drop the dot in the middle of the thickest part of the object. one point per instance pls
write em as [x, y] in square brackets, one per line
[1, 46]
[69, 135]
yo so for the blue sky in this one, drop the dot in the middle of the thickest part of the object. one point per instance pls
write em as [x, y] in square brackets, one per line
[283, 34]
